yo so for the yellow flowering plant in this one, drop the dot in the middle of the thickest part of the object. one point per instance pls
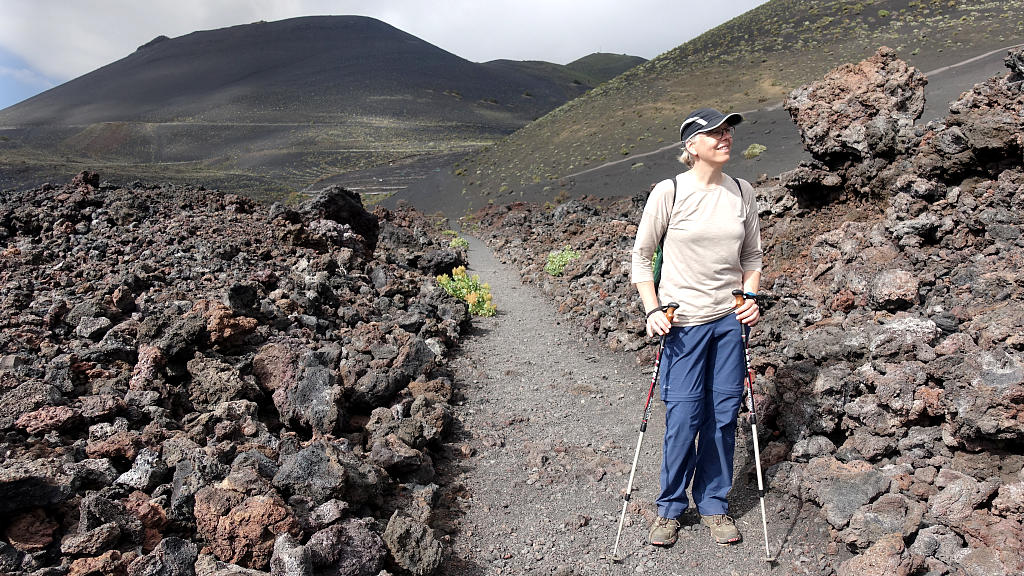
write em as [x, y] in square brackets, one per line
[470, 289]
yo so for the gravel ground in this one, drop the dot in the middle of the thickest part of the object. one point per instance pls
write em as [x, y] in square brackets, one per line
[552, 423]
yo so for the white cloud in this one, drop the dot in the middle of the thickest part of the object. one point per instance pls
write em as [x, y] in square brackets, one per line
[26, 77]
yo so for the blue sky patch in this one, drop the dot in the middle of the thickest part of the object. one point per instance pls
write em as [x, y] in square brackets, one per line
[18, 80]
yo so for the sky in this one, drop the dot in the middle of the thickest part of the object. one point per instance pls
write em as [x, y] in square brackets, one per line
[44, 43]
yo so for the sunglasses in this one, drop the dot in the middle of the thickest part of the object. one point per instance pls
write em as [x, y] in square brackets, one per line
[721, 132]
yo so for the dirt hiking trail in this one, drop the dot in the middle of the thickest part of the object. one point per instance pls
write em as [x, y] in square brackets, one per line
[552, 422]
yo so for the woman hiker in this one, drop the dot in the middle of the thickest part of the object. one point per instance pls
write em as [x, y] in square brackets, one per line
[707, 224]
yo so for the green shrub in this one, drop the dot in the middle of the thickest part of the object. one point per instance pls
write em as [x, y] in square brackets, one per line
[477, 295]
[754, 150]
[557, 261]
[459, 242]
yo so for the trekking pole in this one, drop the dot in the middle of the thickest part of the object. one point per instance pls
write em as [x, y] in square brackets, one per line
[669, 310]
[749, 386]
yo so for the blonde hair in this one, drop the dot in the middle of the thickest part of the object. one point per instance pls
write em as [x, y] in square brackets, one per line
[686, 157]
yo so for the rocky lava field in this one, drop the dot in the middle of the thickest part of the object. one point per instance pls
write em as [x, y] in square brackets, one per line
[191, 382]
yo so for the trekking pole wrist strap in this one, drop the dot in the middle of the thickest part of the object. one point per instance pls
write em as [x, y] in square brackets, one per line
[667, 308]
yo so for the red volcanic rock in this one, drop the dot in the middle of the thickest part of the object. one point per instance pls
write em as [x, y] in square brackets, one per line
[246, 534]
[436, 390]
[994, 541]
[222, 324]
[121, 445]
[152, 516]
[110, 563]
[86, 179]
[859, 111]
[888, 557]
[150, 360]
[275, 366]
[46, 419]
[31, 531]
[982, 133]
[856, 123]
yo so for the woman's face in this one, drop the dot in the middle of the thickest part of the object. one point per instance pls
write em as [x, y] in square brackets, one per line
[713, 146]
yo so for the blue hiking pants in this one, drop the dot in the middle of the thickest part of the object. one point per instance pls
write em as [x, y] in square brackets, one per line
[702, 386]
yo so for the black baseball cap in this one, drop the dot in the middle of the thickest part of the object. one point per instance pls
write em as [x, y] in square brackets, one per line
[704, 120]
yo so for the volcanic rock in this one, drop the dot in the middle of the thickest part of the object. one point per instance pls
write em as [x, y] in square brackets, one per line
[172, 557]
[348, 549]
[413, 545]
[178, 390]
[889, 557]
[859, 119]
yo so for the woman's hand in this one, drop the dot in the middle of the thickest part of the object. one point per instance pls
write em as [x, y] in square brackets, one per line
[749, 313]
[658, 323]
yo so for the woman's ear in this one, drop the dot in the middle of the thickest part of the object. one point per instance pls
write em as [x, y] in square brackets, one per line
[690, 147]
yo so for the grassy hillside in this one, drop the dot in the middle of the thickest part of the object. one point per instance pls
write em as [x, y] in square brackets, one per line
[750, 62]
[600, 66]
[586, 72]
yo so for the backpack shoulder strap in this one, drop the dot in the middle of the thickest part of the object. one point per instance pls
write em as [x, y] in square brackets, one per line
[659, 250]
[739, 184]
[661, 242]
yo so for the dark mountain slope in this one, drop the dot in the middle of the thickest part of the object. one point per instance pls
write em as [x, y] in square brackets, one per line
[572, 83]
[274, 107]
[297, 70]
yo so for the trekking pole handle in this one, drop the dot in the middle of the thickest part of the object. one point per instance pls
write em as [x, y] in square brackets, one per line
[742, 296]
[670, 310]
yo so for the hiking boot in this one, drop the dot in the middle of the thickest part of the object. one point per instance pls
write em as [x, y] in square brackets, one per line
[663, 531]
[723, 528]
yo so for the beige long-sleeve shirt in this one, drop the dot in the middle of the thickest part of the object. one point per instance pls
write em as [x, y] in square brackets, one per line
[713, 237]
